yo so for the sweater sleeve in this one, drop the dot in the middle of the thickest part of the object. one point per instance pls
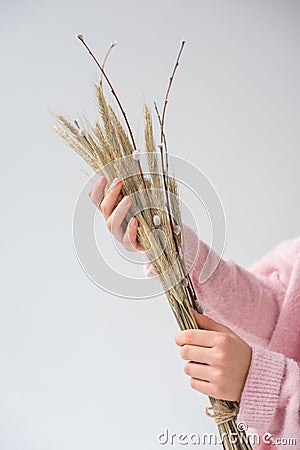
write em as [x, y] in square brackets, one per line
[270, 400]
[234, 295]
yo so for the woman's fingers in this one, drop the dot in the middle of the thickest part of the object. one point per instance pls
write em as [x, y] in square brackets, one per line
[129, 239]
[198, 354]
[203, 338]
[97, 193]
[110, 199]
[205, 387]
[200, 371]
[115, 221]
[115, 215]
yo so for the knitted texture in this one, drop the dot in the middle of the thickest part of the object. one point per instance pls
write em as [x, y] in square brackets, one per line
[264, 381]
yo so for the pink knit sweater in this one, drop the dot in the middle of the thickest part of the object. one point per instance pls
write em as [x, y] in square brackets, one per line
[261, 305]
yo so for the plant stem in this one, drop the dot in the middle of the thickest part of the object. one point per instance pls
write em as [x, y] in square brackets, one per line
[80, 37]
[168, 91]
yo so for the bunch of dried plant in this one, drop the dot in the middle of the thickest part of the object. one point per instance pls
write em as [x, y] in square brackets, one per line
[109, 147]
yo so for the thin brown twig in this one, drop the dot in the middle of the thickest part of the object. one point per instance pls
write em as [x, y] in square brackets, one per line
[163, 141]
[81, 38]
[189, 288]
[168, 91]
[112, 45]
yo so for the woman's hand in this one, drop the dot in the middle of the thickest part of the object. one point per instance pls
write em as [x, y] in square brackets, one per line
[115, 215]
[218, 359]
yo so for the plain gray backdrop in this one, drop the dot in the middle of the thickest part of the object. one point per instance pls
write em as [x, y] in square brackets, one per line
[80, 368]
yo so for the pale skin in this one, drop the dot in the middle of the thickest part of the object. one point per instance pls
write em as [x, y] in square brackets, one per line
[218, 360]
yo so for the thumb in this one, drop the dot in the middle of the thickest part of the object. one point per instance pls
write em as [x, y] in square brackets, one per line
[206, 323]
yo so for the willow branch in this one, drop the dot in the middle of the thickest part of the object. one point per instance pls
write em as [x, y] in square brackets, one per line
[168, 91]
[80, 37]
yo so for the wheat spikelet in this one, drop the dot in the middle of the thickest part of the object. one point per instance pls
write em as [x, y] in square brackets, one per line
[109, 129]
[150, 149]
[76, 145]
[125, 144]
[107, 155]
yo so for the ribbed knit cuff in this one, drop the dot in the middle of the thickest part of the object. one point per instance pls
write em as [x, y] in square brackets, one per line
[261, 391]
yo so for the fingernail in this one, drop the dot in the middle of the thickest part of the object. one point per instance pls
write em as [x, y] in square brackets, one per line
[132, 221]
[115, 182]
[125, 200]
[101, 179]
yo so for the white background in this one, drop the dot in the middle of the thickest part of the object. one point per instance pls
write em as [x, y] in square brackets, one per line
[82, 369]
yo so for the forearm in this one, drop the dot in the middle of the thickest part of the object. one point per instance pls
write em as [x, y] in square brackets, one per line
[238, 298]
